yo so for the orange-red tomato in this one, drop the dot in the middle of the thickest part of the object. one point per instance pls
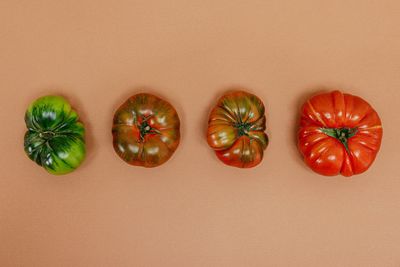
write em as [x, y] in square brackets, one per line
[236, 129]
[146, 130]
[339, 134]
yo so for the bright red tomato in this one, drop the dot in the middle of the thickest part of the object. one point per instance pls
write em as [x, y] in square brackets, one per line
[339, 134]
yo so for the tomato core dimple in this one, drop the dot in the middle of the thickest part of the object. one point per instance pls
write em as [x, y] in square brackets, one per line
[243, 128]
[145, 128]
[46, 135]
[342, 134]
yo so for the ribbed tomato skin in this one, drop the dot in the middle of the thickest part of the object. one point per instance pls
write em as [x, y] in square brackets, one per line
[156, 146]
[55, 138]
[236, 129]
[328, 155]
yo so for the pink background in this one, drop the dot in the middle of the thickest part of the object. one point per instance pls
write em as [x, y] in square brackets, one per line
[193, 210]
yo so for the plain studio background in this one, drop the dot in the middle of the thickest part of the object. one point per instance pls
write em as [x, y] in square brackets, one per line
[193, 210]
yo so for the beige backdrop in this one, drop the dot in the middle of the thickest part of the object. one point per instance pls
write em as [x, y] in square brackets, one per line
[195, 211]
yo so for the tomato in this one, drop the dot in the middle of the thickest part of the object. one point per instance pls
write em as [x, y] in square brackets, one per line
[339, 134]
[146, 130]
[55, 138]
[236, 129]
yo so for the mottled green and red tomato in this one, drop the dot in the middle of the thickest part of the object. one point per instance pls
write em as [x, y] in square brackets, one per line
[236, 129]
[146, 130]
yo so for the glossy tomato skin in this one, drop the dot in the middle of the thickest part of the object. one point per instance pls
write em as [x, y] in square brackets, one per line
[236, 129]
[146, 130]
[339, 134]
[55, 138]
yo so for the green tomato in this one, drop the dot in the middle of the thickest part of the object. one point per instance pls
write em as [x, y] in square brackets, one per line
[55, 138]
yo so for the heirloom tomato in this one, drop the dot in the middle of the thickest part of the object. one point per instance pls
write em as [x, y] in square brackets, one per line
[236, 128]
[339, 134]
[146, 130]
[55, 138]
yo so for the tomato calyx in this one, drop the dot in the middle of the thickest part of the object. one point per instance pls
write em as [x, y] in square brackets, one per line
[243, 128]
[342, 134]
[46, 135]
[145, 128]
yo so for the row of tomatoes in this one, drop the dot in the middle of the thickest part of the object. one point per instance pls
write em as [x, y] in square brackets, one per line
[338, 133]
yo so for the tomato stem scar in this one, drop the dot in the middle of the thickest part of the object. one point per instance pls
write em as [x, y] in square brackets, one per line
[47, 135]
[243, 128]
[342, 134]
[145, 128]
